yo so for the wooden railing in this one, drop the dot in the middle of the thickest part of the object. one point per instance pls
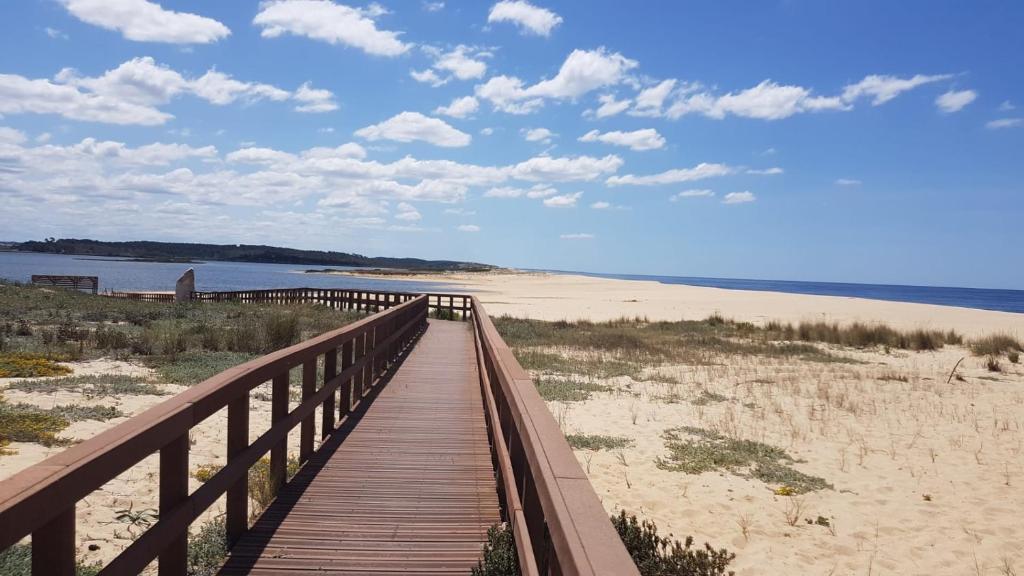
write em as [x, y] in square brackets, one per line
[41, 500]
[89, 283]
[451, 306]
[559, 525]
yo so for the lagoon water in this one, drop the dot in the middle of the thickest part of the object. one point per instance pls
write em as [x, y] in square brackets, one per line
[223, 276]
[213, 276]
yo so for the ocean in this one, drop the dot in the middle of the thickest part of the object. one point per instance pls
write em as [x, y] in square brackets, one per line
[980, 298]
[225, 276]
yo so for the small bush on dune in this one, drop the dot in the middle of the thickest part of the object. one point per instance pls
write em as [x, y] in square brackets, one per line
[24, 365]
[499, 555]
[18, 424]
[207, 549]
[17, 561]
[657, 555]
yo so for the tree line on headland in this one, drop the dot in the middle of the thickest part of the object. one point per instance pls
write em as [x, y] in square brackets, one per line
[179, 251]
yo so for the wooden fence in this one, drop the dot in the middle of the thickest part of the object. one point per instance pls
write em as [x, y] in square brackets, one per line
[87, 283]
[448, 306]
[560, 526]
[41, 499]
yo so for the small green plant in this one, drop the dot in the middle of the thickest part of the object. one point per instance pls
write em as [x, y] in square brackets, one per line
[695, 451]
[597, 442]
[499, 555]
[708, 397]
[24, 423]
[992, 364]
[568, 390]
[656, 555]
[17, 561]
[1013, 356]
[194, 366]
[207, 549]
[261, 491]
[204, 472]
[139, 519]
[28, 365]
[91, 385]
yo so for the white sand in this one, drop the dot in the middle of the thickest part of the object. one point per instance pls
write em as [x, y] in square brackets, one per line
[569, 297]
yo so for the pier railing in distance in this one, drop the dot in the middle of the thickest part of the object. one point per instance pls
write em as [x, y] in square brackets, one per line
[41, 499]
[559, 525]
[447, 306]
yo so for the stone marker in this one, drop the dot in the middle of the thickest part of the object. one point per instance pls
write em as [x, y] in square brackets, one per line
[185, 286]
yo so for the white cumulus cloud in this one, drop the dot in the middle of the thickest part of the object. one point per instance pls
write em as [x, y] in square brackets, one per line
[882, 88]
[1004, 123]
[699, 172]
[738, 198]
[955, 100]
[330, 22]
[537, 135]
[644, 139]
[563, 200]
[314, 100]
[582, 71]
[145, 21]
[694, 193]
[411, 126]
[407, 212]
[460, 107]
[468, 228]
[529, 18]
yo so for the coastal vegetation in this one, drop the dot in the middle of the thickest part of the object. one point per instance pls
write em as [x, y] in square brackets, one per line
[43, 329]
[178, 252]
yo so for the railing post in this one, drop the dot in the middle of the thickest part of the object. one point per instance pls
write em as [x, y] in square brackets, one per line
[237, 521]
[53, 546]
[278, 412]
[361, 355]
[309, 422]
[330, 369]
[174, 491]
[345, 404]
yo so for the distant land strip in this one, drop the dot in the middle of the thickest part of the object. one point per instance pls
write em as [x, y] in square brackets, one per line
[185, 252]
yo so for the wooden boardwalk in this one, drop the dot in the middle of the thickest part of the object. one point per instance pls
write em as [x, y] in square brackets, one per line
[407, 486]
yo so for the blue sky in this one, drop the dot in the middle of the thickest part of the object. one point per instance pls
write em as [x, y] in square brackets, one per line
[846, 141]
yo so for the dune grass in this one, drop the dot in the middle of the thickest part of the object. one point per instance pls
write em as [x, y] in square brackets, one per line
[598, 442]
[696, 450]
[996, 345]
[91, 385]
[67, 325]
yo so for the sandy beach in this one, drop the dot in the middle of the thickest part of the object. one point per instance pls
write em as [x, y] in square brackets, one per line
[546, 296]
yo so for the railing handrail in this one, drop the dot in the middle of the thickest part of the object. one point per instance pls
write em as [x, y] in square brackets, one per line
[569, 530]
[37, 500]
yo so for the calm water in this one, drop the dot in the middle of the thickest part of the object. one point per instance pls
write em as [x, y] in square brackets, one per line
[985, 299]
[210, 276]
[216, 276]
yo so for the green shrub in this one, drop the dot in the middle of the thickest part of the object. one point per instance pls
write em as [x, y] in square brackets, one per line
[207, 549]
[21, 424]
[17, 561]
[1013, 356]
[656, 555]
[195, 366]
[695, 451]
[261, 491]
[25, 365]
[499, 555]
[597, 442]
[91, 385]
